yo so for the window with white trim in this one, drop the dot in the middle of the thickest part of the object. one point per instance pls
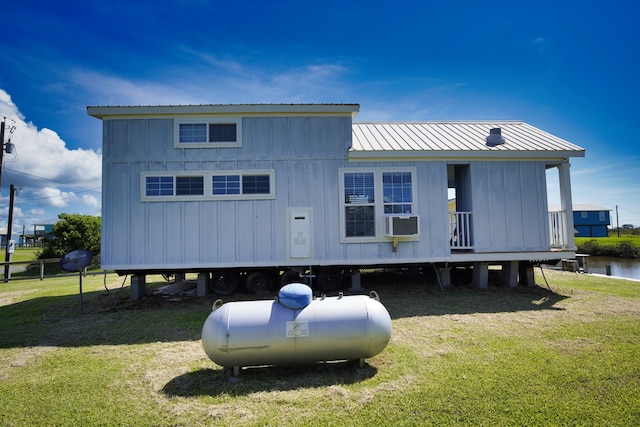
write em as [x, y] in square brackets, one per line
[369, 195]
[164, 185]
[208, 132]
[206, 185]
[247, 184]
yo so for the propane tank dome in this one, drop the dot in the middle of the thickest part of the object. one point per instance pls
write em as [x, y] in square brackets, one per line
[295, 296]
[495, 137]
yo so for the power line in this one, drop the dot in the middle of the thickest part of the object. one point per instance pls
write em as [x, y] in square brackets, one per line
[52, 180]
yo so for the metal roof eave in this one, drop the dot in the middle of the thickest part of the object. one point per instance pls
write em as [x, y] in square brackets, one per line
[114, 112]
[409, 155]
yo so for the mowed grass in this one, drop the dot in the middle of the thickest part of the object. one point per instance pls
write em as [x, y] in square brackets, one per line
[568, 355]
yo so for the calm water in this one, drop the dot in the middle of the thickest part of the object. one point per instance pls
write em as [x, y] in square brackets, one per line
[629, 268]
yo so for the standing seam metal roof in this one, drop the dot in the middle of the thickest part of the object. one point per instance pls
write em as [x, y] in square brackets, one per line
[430, 138]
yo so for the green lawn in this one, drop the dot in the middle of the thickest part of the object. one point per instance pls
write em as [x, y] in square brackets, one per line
[529, 356]
[21, 254]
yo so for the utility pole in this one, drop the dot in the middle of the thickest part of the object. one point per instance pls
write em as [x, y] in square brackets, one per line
[9, 252]
[8, 147]
[1, 148]
[617, 221]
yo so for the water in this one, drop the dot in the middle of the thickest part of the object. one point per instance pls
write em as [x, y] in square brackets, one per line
[629, 268]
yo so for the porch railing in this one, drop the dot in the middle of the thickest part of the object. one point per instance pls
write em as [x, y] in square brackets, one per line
[558, 229]
[460, 230]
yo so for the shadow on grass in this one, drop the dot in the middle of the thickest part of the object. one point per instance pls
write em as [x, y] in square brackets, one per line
[215, 382]
[112, 319]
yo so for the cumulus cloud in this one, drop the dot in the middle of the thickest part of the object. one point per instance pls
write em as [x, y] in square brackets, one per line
[47, 173]
[89, 200]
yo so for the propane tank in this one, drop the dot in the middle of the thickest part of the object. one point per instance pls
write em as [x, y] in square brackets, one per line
[296, 328]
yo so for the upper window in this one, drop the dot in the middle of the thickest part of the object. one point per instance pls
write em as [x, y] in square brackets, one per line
[209, 133]
[369, 195]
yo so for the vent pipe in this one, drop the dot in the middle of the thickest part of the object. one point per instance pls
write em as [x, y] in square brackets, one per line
[495, 137]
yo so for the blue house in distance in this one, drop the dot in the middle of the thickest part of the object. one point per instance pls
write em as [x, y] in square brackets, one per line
[590, 220]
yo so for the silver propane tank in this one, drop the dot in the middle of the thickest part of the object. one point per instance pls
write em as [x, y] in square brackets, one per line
[296, 328]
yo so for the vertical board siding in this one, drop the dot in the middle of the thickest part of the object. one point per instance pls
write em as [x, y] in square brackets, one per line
[306, 153]
[514, 196]
[508, 213]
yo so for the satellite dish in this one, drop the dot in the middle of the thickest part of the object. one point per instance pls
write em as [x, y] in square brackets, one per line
[76, 260]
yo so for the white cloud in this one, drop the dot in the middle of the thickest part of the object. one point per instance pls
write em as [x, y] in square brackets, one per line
[47, 173]
[89, 200]
[49, 196]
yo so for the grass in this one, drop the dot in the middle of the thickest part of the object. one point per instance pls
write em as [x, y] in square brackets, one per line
[456, 357]
[21, 254]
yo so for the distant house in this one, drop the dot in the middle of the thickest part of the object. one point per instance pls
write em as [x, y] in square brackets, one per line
[590, 220]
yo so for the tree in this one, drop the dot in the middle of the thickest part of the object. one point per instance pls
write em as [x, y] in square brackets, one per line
[73, 231]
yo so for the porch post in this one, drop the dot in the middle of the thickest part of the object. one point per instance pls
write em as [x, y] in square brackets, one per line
[566, 204]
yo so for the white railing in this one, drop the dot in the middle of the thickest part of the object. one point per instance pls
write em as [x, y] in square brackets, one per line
[558, 229]
[460, 230]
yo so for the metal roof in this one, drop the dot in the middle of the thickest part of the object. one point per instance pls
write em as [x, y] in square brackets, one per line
[455, 139]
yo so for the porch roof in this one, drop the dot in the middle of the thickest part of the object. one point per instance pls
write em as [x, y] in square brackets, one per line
[408, 140]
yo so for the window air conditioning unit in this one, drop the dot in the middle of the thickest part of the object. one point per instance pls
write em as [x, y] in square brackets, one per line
[401, 225]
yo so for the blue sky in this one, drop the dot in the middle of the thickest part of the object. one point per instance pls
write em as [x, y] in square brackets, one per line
[567, 67]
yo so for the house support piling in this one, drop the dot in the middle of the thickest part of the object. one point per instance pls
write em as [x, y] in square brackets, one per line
[356, 285]
[203, 284]
[481, 274]
[525, 274]
[138, 286]
[509, 276]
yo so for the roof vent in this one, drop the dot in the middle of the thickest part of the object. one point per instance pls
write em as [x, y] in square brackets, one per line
[495, 137]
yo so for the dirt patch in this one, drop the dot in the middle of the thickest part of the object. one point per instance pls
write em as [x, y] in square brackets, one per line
[8, 298]
[21, 357]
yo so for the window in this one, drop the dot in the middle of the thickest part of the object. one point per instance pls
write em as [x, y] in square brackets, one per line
[584, 214]
[369, 195]
[602, 216]
[206, 185]
[222, 132]
[189, 186]
[246, 184]
[193, 132]
[159, 186]
[208, 133]
[397, 192]
[156, 186]
[359, 192]
[226, 184]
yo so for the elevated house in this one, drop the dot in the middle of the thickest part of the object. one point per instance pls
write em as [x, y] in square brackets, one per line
[264, 194]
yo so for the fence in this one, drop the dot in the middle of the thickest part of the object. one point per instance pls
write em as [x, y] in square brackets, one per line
[34, 269]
